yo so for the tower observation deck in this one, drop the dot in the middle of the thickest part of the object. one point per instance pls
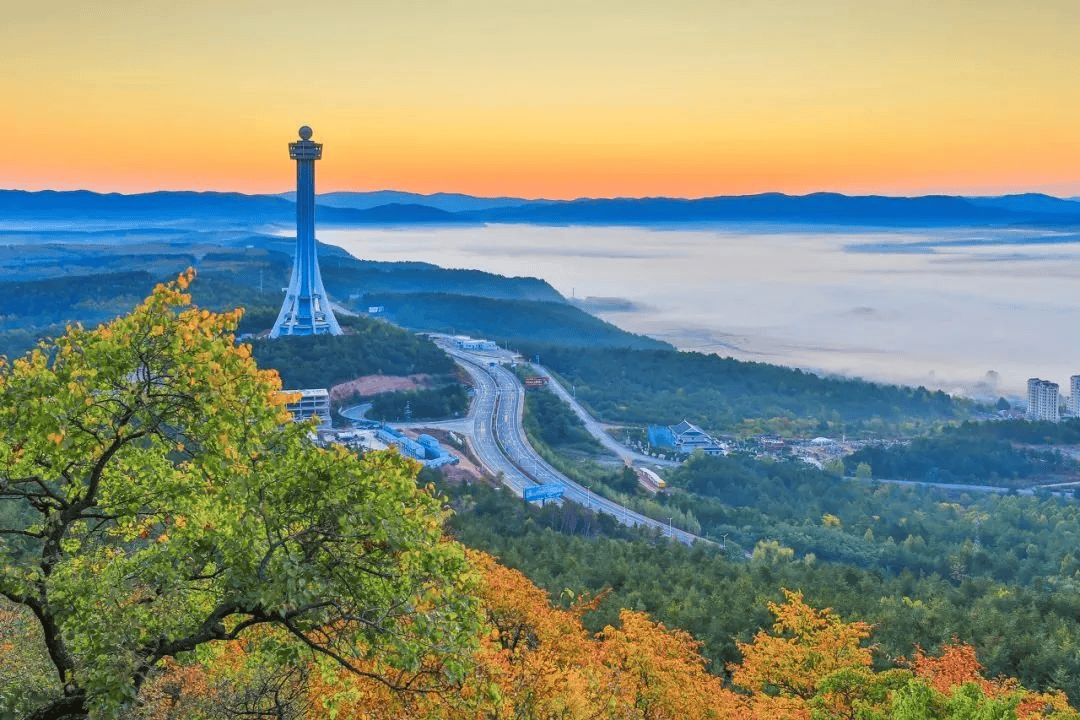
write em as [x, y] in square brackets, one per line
[306, 310]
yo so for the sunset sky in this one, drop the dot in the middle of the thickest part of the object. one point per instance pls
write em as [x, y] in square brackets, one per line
[551, 99]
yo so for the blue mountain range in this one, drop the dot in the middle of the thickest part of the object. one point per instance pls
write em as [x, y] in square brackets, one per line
[396, 208]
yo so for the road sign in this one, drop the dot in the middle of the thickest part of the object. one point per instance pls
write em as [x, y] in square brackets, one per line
[544, 492]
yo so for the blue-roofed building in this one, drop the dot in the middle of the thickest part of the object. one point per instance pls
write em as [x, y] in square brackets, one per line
[686, 437]
[425, 448]
[660, 437]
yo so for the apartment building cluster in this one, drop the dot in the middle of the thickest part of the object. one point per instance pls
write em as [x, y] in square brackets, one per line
[1044, 401]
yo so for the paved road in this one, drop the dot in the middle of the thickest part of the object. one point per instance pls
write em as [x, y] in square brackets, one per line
[491, 403]
[596, 429]
[355, 412]
[1054, 489]
[500, 444]
[946, 486]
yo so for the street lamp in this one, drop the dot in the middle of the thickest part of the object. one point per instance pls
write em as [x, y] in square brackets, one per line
[669, 532]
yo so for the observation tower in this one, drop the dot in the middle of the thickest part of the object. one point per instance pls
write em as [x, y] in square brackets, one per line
[306, 310]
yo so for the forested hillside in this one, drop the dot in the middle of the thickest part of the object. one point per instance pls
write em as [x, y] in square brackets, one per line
[1011, 453]
[974, 461]
[57, 277]
[517, 322]
[1026, 626]
[171, 546]
[553, 423]
[1024, 432]
[373, 347]
[345, 275]
[921, 564]
[723, 394]
[448, 401]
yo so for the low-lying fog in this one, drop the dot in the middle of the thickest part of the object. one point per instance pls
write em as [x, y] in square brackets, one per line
[969, 311]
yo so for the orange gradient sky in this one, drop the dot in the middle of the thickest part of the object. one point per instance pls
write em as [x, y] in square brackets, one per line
[552, 99]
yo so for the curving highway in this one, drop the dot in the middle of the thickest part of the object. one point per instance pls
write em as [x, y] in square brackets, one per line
[490, 403]
[595, 428]
[498, 441]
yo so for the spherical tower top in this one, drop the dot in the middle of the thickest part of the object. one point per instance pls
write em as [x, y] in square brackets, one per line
[305, 133]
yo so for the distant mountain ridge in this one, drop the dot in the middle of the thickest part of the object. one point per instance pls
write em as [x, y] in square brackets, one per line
[450, 202]
[395, 208]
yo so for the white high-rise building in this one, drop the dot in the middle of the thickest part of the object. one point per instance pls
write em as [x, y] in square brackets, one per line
[1042, 400]
[1074, 395]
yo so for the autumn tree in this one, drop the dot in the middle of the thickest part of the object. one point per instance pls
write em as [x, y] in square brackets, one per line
[955, 680]
[536, 661]
[789, 667]
[531, 661]
[805, 646]
[814, 665]
[658, 673]
[155, 499]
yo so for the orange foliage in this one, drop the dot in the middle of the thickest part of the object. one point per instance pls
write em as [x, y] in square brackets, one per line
[808, 645]
[537, 661]
[658, 673]
[957, 665]
[174, 692]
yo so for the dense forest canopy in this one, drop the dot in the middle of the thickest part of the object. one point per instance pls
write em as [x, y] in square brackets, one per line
[155, 501]
[722, 394]
[553, 422]
[371, 347]
[441, 403]
[956, 458]
[1022, 432]
[507, 321]
[1026, 626]
[1009, 453]
[923, 564]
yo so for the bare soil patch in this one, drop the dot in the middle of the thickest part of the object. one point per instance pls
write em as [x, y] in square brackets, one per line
[369, 385]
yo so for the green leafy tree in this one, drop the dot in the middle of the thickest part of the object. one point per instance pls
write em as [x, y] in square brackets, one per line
[918, 701]
[424, 404]
[157, 499]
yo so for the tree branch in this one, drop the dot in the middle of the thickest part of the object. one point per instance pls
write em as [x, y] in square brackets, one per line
[69, 706]
[50, 631]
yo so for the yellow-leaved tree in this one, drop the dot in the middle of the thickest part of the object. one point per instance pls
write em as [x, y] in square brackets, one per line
[157, 499]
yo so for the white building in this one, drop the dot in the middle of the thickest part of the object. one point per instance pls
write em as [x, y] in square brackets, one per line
[313, 402]
[1074, 395]
[467, 343]
[1042, 400]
